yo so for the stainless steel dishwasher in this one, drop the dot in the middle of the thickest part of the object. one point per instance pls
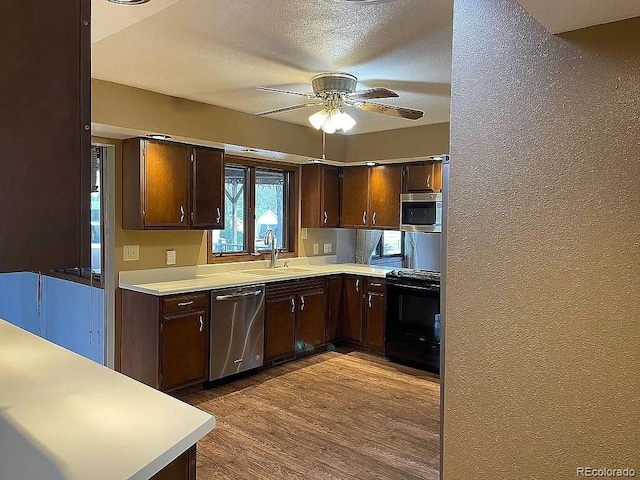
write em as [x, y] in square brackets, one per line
[237, 330]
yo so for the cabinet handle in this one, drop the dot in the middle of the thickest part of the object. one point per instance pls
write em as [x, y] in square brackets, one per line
[428, 181]
[301, 302]
[293, 305]
[184, 304]
[219, 215]
[201, 323]
[376, 284]
[364, 217]
[326, 217]
[357, 284]
[370, 301]
[373, 218]
[181, 214]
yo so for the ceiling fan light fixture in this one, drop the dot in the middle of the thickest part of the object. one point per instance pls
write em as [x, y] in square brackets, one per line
[331, 121]
[345, 121]
[318, 119]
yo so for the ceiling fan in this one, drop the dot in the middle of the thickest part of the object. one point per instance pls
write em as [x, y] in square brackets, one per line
[334, 91]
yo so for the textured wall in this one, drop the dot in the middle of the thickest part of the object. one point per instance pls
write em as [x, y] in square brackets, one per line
[543, 287]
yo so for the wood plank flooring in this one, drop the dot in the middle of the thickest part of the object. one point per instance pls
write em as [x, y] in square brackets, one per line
[330, 416]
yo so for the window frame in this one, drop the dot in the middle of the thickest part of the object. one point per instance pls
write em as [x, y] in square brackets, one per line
[290, 205]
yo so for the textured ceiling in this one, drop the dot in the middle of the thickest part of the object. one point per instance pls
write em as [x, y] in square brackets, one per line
[218, 51]
[565, 15]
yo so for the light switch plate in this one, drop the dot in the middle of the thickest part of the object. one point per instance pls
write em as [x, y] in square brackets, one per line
[131, 253]
[303, 233]
[316, 248]
[171, 257]
[327, 248]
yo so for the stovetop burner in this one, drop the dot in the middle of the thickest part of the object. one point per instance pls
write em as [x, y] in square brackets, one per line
[415, 274]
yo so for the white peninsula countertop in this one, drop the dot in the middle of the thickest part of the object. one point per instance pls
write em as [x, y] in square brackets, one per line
[175, 280]
[65, 417]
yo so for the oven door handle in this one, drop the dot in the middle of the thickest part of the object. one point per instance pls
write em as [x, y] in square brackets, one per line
[430, 288]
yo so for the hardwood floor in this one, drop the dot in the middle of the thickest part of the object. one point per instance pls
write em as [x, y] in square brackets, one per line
[333, 415]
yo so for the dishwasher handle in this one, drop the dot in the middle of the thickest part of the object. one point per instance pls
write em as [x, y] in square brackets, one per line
[255, 293]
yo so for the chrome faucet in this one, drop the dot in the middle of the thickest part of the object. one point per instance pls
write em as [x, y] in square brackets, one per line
[270, 238]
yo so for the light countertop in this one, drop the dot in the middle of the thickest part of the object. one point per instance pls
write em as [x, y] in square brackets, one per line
[65, 417]
[168, 281]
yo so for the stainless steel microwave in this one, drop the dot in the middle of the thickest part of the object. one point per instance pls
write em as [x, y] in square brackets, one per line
[421, 212]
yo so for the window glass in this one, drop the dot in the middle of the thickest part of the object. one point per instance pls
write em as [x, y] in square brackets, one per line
[271, 186]
[232, 238]
[391, 243]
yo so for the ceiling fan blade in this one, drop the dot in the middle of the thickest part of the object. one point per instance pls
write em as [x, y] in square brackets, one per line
[277, 90]
[401, 112]
[285, 109]
[371, 93]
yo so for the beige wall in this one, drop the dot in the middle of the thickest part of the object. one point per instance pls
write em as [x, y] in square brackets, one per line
[543, 287]
[401, 143]
[126, 107]
[121, 106]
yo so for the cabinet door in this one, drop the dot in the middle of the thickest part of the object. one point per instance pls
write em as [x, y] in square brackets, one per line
[311, 324]
[385, 185]
[320, 200]
[207, 188]
[45, 75]
[374, 319]
[166, 185]
[185, 350]
[279, 327]
[422, 177]
[334, 320]
[355, 197]
[352, 312]
[330, 211]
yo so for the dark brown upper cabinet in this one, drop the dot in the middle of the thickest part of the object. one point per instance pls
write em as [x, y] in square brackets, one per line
[45, 137]
[207, 188]
[171, 186]
[355, 197]
[371, 197]
[320, 196]
[384, 196]
[422, 177]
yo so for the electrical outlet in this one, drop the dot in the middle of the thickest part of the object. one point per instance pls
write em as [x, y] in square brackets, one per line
[316, 248]
[171, 257]
[303, 233]
[327, 248]
[131, 253]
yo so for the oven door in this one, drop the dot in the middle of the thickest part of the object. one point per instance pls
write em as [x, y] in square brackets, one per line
[413, 310]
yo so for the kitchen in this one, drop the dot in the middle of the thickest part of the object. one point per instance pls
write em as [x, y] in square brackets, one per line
[158, 248]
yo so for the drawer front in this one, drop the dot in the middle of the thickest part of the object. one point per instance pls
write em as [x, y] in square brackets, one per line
[375, 284]
[184, 303]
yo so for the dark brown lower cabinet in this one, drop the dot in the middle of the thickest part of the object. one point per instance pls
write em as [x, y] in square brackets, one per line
[182, 468]
[165, 340]
[352, 310]
[279, 324]
[311, 322]
[184, 341]
[374, 319]
[296, 316]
